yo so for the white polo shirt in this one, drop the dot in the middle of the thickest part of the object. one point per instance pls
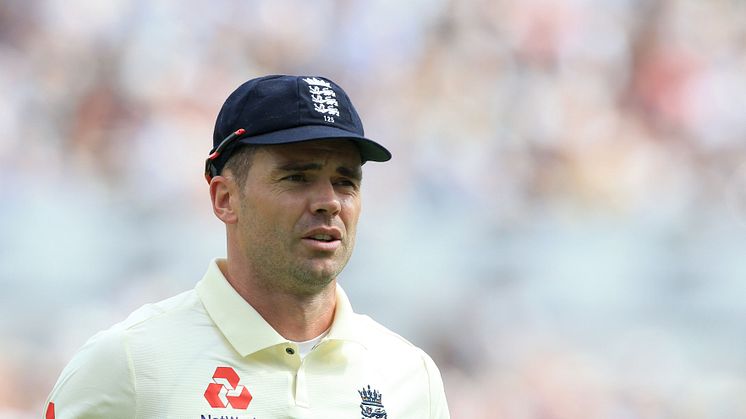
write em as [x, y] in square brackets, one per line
[207, 354]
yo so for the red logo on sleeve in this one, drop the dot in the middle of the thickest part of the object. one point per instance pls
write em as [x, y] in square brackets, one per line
[225, 390]
[50, 411]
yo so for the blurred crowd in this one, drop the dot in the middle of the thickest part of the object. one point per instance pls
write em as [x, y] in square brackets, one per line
[563, 225]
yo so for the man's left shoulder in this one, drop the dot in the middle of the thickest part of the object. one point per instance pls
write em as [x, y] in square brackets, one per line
[380, 338]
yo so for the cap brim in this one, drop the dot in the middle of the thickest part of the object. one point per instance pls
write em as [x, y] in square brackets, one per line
[369, 149]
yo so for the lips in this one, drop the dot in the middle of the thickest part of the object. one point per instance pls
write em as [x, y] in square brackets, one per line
[323, 239]
[324, 234]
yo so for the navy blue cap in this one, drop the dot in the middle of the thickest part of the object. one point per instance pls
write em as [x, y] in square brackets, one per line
[280, 109]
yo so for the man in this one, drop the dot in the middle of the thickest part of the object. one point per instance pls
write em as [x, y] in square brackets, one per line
[267, 332]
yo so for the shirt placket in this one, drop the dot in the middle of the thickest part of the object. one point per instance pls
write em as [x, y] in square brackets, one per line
[299, 382]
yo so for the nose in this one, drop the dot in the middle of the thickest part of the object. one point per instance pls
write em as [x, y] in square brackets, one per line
[324, 200]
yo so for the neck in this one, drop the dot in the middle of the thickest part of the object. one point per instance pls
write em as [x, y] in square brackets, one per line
[295, 317]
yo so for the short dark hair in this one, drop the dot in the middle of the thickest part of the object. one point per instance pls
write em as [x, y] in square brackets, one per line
[240, 161]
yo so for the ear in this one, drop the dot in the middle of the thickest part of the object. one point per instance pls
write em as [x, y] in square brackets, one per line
[222, 189]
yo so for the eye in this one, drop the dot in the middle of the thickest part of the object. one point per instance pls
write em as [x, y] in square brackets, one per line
[296, 177]
[346, 183]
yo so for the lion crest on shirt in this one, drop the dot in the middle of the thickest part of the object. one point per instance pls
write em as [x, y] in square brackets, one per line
[371, 405]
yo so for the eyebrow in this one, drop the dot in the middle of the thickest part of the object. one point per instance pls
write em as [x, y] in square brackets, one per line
[354, 173]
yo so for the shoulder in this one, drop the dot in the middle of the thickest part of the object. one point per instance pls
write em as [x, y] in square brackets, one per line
[380, 339]
[172, 309]
[112, 344]
[99, 380]
[156, 328]
[398, 357]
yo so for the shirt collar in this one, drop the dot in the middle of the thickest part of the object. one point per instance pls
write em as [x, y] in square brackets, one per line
[344, 327]
[246, 329]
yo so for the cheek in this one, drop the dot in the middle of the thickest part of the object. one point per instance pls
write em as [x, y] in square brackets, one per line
[351, 213]
[257, 218]
[283, 220]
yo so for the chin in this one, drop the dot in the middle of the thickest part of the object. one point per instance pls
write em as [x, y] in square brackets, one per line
[315, 278]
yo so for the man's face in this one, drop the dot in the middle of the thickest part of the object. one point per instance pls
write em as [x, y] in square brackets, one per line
[298, 213]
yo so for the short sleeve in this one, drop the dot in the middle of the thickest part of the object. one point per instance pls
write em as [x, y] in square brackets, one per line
[97, 383]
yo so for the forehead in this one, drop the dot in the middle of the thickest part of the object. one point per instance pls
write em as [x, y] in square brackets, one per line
[339, 151]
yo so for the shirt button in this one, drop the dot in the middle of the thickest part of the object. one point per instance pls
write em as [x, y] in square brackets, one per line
[290, 351]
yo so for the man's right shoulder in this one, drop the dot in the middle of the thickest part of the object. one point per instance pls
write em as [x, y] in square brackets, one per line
[152, 318]
[144, 326]
[100, 379]
[174, 309]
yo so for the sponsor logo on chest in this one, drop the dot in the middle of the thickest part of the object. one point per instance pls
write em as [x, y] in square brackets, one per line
[225, 391]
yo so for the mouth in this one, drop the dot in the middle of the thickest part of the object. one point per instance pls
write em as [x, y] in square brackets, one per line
[322, 238]
[324, 234]
[326, 240]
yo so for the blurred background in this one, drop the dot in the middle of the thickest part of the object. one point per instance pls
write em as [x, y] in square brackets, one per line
[562, 227]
